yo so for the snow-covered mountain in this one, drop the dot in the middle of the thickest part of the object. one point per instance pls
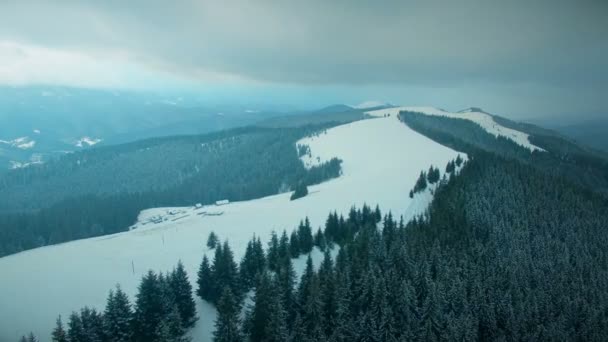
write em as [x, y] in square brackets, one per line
[82, 272]
[373, 104]
[476, 115]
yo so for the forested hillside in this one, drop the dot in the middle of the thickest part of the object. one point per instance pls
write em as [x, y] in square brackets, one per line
[506, 252]
[561, 157]
[101, 191]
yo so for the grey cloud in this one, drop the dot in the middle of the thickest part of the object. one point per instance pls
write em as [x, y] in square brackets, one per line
[335, 42]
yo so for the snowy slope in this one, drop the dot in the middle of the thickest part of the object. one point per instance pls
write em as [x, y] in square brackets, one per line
[382, 159]
[473, 114]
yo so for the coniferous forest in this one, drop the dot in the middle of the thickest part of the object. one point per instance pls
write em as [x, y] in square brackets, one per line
[506, 253]
[103, 190]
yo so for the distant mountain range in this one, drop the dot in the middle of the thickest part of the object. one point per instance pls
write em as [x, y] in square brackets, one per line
[39, 123]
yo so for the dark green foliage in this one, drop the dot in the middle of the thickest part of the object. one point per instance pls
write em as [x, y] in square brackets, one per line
[562, 158]
[273, 252]
[212, 240]
[224, 273]
[75, 330]
[204, 280]
[305, 237]
[433, 175]
[319, 240]
[253, 263]
[228, 322]
[300, 191]
[150, 309]
[451, 166]
[104, 189]
[59, 334]
[421, 183]
[118, 316]
[182, 293]
[258, 316]
[294, 244]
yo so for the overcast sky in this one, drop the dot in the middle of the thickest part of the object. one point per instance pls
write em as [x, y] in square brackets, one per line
[516, 58]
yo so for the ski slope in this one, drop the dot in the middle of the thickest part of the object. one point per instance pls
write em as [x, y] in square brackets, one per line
[477, 116]
[382, 159]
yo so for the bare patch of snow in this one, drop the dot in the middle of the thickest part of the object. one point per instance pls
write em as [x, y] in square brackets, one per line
[87, 142]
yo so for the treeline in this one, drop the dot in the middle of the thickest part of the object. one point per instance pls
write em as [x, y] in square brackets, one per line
[505, 253]
[163, 311]
[562, 158]
[251, 165]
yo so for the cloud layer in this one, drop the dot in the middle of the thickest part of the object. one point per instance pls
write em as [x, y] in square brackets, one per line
[416, 43]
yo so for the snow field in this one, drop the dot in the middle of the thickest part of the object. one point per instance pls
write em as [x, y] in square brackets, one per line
[382, 159]
[482, 119]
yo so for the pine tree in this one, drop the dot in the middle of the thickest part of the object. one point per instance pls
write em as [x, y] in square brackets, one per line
[182, 291]
[284, 246]
[171, 328]
[118, 316]
[273, 252]
[205, 280]
[450, 167]
[286, 279]
[420, 183]
[276, 329]
[212, 240]
[253, 262]
[259, 314]
[327, 285]
[305, 283]
[59, 334]
[319, 239]
[92, 325]
[377, 214]
[225, 273]
[227, 323]
[300, 191]
[459, 161]
[294, 244]
[149, 309]
[305, 237]
[75, 329]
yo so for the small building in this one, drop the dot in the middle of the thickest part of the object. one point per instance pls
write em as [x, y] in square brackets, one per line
[222, 202]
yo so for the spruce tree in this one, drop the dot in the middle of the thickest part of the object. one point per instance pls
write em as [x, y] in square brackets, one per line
[59, 334]
[294, 244]
[182, 291]
[227, 323]
[118, 316]
[75, 329]
[205, 280]
[92, 324]
[259, 314]
[319, 240]
[171, 328]
[225, 273]
[286, 279]
[459, 160]
[212, 240]
[305, 236]
[253, 262]
[276, 329]
[327, 285]
[149, 309]
[273, 251]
